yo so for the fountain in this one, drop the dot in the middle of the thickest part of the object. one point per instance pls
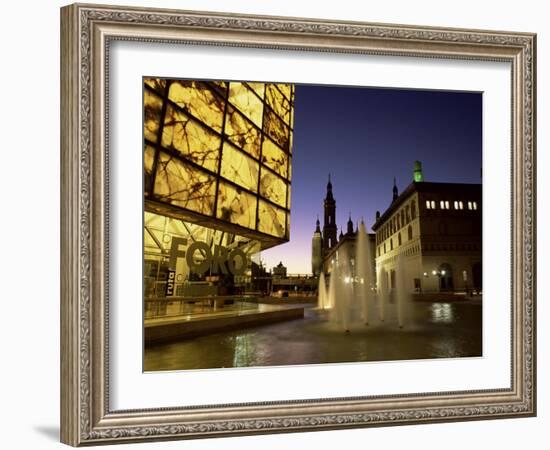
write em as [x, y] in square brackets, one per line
[341, 291]
[403, 298]
[351, 298]
[382, 293]
[323, 299]
[364, 272]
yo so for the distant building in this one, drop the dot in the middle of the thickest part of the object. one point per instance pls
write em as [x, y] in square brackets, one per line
[345, 248]
[326, 248]
[329, 227]
[279, 271]
[317, 251]
[436, 228]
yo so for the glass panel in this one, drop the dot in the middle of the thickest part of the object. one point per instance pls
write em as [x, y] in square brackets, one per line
[291, 142]
[246, 101]
[242, 133]
[236, 206]
[200, 101]
[152, 105]
[289, 189]
[272, 219]
[274, 157]
[219, 86]
[289, 168]
[148, 159]
[184, 186]
[276, 129]
[158, 84]
[273, 188]
[259, 88]
[191, 139]
[285, 89]
[278, 102]
[239, 168]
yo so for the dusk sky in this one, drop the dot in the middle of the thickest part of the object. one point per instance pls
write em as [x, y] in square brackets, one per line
[364, 137]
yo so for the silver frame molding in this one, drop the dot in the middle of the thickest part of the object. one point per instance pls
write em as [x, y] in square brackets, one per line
[86, 31]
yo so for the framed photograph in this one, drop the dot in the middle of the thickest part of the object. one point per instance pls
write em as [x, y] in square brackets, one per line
[277, 224]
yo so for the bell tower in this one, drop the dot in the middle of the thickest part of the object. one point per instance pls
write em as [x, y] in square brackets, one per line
[317, 250]
[329, 226]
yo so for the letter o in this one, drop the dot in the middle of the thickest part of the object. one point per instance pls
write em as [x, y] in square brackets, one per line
[237, 252]
[203, 266]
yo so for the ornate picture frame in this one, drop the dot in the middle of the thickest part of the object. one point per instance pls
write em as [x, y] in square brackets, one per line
[86, 34]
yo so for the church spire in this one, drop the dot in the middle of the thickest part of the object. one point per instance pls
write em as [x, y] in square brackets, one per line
[395, 192]
[329, 189]
[350, 225]
[329, 225]
[318, 225]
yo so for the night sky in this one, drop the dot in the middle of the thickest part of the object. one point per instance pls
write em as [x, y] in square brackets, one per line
[364, 137]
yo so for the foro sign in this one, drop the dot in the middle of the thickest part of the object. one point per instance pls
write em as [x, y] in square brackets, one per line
[220, 260]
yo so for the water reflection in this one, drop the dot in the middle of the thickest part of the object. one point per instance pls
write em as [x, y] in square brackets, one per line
[440, 330]
[442, 313]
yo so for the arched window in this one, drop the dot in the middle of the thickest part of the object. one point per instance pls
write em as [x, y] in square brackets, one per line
[410, 232]
[399, 238]
[407, 213]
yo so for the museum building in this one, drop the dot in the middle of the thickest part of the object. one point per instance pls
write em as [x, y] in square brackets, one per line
[217, 174]
[436, 228]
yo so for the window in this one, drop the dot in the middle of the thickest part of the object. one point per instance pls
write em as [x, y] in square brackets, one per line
[413, 210]
[384, 247]
[444, 204]
[391, 244]
[378, 250]
[410, 232]
[456, 204]
[433, 204]
[474, 204]
[399, 238]
[201, 132]
[428, 204]
[460, 205]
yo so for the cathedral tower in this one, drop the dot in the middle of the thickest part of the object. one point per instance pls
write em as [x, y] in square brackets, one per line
[329, 227]
[317, 250]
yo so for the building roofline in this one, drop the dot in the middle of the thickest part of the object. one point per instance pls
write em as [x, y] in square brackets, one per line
[421, 186]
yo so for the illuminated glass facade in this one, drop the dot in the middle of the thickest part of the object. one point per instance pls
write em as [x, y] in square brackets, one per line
[219, 154]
